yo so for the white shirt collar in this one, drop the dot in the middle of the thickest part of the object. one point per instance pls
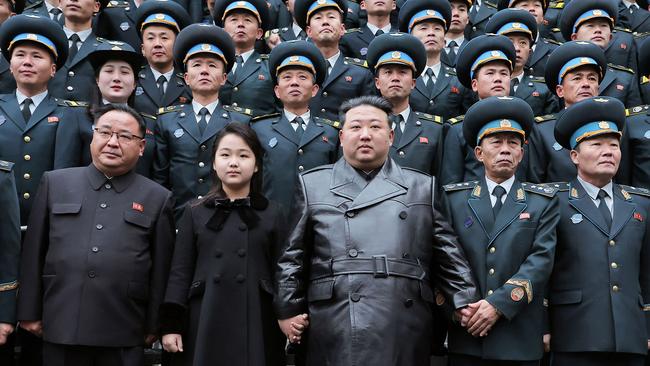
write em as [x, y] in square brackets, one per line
[520, 77]
[406, 114]
[157, 74]
[296, 29]
[592, 190]
[211, 107]
[436, 70]
[507, 184]
[246, 55]
[83, 35]
[373, 28]
[477, 3]
[305, 116]
[36, 99]
[332, 60]
[458, 41]
[628, 4]
[49, 7]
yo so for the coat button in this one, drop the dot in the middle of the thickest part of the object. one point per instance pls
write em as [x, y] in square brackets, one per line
[26, 176]
[353, 253]
[99, 226]
[301, 168]
[218, 254]
[203, 147]
[431, 102]
[300, 152]
[241, 252]
[26, 196]
[201, 164]
[107, 186]
[615, 288]
[614, 265]
[490, 292]
[91, 274]
[240, 278]
[216, 278]
[408, 303]
[242, 227]
[70, 73]
[491, 271]
[405, 255]
[27, 139]
[235, 89]
[355, 297]
[95, 249]
[324, 94]
[403, 215]
[401, 153]
[612, 243]
[70, 88]
[27, 157]
[322, 110]
[103, 205]
[350, 214]
[493, 249]
[200, 180]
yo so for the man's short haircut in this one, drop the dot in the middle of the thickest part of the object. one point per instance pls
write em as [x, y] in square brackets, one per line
[99, 111]
[366, 100]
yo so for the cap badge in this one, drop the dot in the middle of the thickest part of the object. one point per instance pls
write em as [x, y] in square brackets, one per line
[396, 54]
[603, 125]
[505, 123]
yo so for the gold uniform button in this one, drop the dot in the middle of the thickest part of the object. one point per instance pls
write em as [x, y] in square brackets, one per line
[26, 196]
[614, 265]
[27, 176]
[493, 249]
[27, 139]
[27, 157]
[491, 271]
[612, 243]
[490, 292]
[615, 288]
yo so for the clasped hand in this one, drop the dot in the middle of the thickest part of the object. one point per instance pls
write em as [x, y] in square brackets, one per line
[478, 318]
[294, 327]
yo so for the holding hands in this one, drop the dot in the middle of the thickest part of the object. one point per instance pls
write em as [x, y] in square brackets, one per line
[294, 327]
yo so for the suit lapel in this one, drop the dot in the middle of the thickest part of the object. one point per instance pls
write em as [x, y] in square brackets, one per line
[387, 184]
[337, 69]
[639, 18]
[313, 130]
[514, 205]
[249, 67]
[483, 13]
[580, 200]
[149, 85]
[11, 109]
[540, 51]
[188, 121]
[481, 206]
[87, 47]
[623, 210]
[608, 79]
[41, 112]
[218, 120]
[441, 83]
[284, 128]
[175, 88]
[524, 90]
[421, 87]
[411, 131]
[366, 35]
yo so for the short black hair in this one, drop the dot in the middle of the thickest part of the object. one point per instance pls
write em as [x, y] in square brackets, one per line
[98, 111]
[369, 100]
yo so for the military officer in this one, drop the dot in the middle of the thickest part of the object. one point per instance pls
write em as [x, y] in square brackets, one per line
[550, 29]
[118, 22]
[185, 133]
[593, 20]
[599, 291]
[507, 230]
[574, 72]
[355, 41]
[295, 140]
[397, 59]
[479, 13]
[635, 148]
[437, 89]
[520, 26]
[97, 252]
[455, 36]
[160, 83]
[249, 84]
[74, 81]
[346, 78]
[9, 253]
[644, 70]
[633, 16]
[35, 47]
[46, 8]
[484, 65]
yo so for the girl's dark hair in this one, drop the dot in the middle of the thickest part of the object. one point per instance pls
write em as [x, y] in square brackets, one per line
[246, 133]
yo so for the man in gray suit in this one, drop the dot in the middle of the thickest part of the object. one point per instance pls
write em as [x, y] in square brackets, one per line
[366, 247]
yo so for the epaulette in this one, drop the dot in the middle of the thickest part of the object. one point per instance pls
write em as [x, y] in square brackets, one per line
[558, 186]
[490, 4]
[429, 117]
[231, 108]
[554, 41]
[353, 30]
[72, 103]
[102, 40]
[635, 190]
[180, 75]
[453, 121]
[329, 122]
[626, 30]
[460, 186]
[117, 4]
[147, 115]
[644, 80]
[6, 165]
[271, 31]
[266, 116]
[356, 61]
[541, 189]
[544, 118]
[450, 71]
[556, 30]
[641, 109]
[641, 35]
[556, 5]
[264, 56]
[621, 68]
[33, 5]
[538, 79]
[171, 108]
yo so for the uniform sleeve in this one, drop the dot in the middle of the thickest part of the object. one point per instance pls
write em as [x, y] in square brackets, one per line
[454, 157]
[633, 96]
[537, 160]
[161, 156]
[9, 248]
[534, 272]
[68, 146]
[291, 281]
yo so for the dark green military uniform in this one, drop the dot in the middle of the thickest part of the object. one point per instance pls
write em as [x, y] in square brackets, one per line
[478, 21]
[637, 18]
[599, 292]
[644, 68]
[551, 19]
[355, 41]
[117, 22]
[39, 8]
[635, 148]
[9, 243]
[7, 81]
[510, 250]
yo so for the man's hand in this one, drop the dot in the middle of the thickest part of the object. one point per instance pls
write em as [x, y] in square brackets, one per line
[293, 327]
[463, 315]
[547, 343]
[273, 40]
[149, 339]
[484, 317]
[33, 326]
[172, 343]
[5, 331]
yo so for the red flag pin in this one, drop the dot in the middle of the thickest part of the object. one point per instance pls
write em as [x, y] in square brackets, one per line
[325, 139]
[620, 87]
[138, 207]
[536, 93]
[424, 140]
[623, 46]
[455, 90]
[53, 119]
[348, 78]
[261, 77]
[638, 217]
[524, 216]
[148, 132]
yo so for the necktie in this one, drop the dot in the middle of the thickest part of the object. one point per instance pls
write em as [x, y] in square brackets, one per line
[74, 47]
[430, 82]
[473, 11]
[452, 51]
[329, 68]
[203, 121]
[55, 14]
[498, 192]
[301, 35]
[27, 114]
[633, 8]
[161, 85]
[379, 33]
[239, 61]
[397, 120]
[604, 210]
[513, 85]
[300, 129]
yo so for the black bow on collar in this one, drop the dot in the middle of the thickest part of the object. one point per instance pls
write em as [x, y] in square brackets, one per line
[245, 208]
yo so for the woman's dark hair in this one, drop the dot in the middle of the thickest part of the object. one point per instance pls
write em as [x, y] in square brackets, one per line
[246, 133]
[96, 94]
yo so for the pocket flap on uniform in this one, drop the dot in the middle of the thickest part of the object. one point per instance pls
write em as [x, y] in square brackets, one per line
[137, 219]
[565, 297]
[321, 290]
[66, 208]
[196, 289]
[138, 291]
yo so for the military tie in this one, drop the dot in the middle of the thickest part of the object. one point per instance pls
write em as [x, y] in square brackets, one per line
[329, 68]
[633, 8]
[161, 85]
[430, 81]
[473, 11]
[300, 129]
[239, 61]
[604, 210]
[301, 35]
[498, 192]
[74, 47]
[379, 33]
[27, 113]
[514, 83]
[55, 13]
[203, 121]
[452, 50]
[397, 128]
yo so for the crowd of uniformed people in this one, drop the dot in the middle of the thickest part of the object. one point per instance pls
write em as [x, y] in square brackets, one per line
[160, 159]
